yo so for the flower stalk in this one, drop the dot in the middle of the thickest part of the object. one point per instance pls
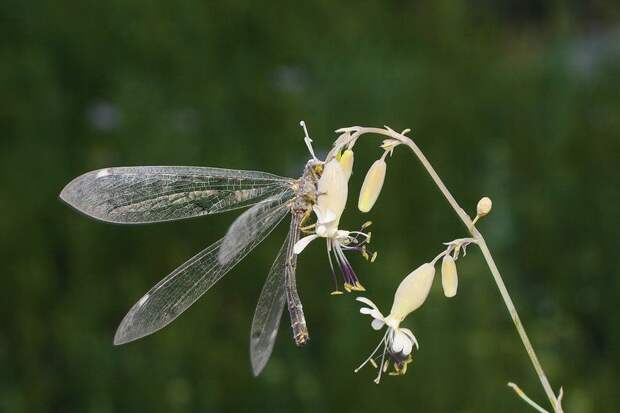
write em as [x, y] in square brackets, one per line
[350, 135]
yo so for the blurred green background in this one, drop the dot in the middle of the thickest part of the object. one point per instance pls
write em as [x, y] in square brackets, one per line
[517, 100]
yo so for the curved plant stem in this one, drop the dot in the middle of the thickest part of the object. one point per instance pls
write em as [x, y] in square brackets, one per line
[358, 131]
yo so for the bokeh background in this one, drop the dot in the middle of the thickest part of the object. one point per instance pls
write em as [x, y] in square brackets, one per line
[518, 100]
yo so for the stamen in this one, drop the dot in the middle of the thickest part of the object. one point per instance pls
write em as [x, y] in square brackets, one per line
[369, 359]
[374, 256]
[378, 379]
[342, 271]
[358, 287]
[331, 265]
[347, 269]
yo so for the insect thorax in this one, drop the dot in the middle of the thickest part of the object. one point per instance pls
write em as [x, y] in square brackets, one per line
[307, 187]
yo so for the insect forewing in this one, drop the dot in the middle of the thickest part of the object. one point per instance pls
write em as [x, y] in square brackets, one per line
[243, 228]
[145, 194]
[269, 312]
[181, 288]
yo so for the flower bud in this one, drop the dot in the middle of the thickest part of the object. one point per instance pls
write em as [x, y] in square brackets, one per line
[346, 161]
[484, 206]
[412, 291]
[371, 188]
[449, 276]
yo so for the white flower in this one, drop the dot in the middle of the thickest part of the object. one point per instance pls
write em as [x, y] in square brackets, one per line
[398, 342]
[332, 199]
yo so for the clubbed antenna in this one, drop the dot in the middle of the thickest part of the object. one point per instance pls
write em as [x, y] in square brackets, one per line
[307, 140]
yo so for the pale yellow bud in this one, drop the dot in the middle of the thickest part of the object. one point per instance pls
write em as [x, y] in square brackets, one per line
[346, 161]
[412, 291]
[449, 276]
[484, 206]
[371, 188]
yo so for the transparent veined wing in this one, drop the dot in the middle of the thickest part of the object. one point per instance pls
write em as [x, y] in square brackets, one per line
[269, 312]
[145, 194]
[181, 288]
[242, 230]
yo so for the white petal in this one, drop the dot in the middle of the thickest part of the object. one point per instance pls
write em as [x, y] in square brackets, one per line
[373, 312]
[377, 324]
[367, 311]
[367, 302]
[303, 243]
[399, 342]
[408, 347]
[342, 234]
[411, 336]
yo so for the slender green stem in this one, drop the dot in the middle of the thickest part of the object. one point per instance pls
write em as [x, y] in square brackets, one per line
[358, 131]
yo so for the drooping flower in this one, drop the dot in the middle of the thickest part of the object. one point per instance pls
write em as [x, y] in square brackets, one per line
[398, 342]
[332, 198]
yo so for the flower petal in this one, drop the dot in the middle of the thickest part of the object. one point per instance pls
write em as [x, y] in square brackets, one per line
[377, 324]
[366, 310]
[373, 312]
[399, 342]
[367, 302]
[411, 336]
[408, 347]
[303, 243]
[342, 234]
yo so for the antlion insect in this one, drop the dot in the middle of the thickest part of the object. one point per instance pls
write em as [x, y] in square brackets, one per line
[150, 194]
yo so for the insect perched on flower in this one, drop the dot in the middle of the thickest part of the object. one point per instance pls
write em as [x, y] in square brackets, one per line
[398, 342]
[331, 201]
[150, 194]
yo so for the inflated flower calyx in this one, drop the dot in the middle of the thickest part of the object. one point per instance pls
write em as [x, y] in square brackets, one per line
[449, 276]
[333, 191]
[371, 188]
[412, 291]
